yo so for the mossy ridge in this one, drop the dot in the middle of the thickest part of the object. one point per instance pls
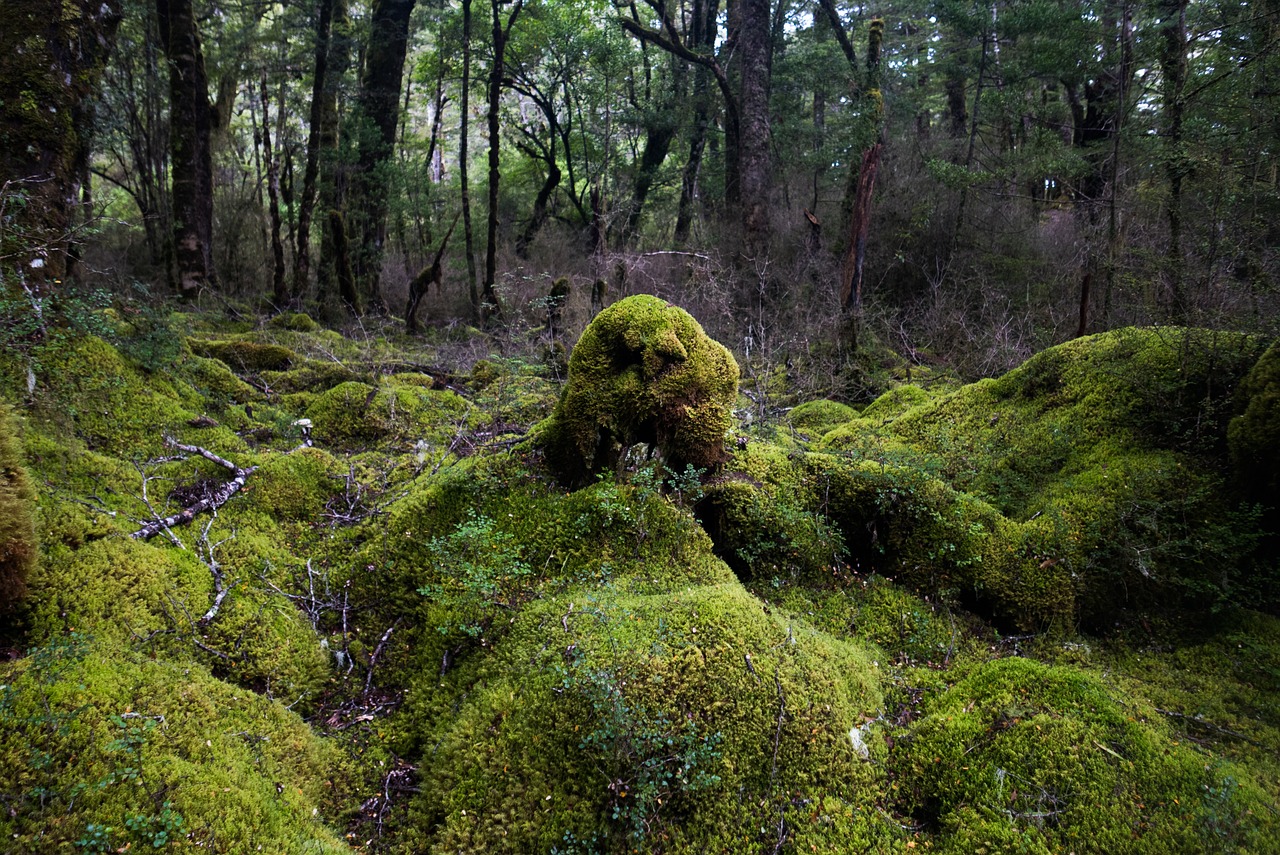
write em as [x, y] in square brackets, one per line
[1253, 435]
[352, 414]
[1041, 758]
[18, 545]
[644, 372]
[154, 750]
[244, 356]
[709, 661]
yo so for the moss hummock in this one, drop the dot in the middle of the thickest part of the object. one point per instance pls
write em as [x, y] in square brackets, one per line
[17, 518]
[643, 372]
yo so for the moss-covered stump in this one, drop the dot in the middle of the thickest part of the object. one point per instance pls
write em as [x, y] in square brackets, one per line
[105, 752]
[643, 372]
[1024, 757]
[693, 721]
[17, 516]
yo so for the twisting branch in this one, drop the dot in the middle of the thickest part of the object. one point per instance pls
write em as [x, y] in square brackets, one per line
[210, 502]
[220, 587]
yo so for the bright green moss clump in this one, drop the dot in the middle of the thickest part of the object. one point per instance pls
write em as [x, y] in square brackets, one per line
[246, 356]
[353, 415]
[643, 372]
[818, 417]
[103, 752]
[1026, 757]
[17, 521]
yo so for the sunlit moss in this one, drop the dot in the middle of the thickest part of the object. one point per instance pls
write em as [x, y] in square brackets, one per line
[18, 549]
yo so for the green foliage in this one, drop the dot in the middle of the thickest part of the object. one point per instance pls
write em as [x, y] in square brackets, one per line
[477, 573]
[643, 372]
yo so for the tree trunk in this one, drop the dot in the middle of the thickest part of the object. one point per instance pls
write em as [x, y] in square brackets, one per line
[319, 90]
[378, 114]
[496, 70]
[754, 139]
[191, 163]
[52, 55]
[463, 140]
[279, 288]
[332, 275]
[1173, 72]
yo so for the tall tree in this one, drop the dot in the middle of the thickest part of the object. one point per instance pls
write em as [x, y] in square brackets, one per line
[191, 159]
[497, 69]
[377, 115]
[52, 53]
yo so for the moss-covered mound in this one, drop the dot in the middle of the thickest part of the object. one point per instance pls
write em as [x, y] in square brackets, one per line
[246, 357]
[818, 417]
[643, 372]
[687, 722]
[1087, 482]
[352, 415]
[1254, 434]
[105, 752]
[1020, 756]
[17, 519]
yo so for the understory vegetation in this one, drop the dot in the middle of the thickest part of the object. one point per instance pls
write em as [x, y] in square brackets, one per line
[468, 593]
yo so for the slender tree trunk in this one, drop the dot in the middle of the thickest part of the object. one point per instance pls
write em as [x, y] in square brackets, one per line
[319, 90]
[54, 53]
[463, 147]
[1173, 70]
[754, 150]
[378, 116]
[703, 36]
[279, 287]
[191, 162]
[496, 71]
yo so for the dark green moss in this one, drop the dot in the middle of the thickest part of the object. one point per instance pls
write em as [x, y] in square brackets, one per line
[1254, 434]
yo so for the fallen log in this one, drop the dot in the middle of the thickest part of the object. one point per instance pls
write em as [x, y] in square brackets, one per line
[211, 502]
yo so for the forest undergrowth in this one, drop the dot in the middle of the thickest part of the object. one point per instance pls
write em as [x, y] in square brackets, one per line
[271, 587]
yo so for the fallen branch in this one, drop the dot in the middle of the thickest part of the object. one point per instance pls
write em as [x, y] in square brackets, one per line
[210, 502]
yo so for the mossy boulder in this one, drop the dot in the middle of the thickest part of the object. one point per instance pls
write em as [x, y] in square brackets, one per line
[644, 372]
[18, 550]
[246, 357]
[1021, 756]
[107, 751]
[1254, 433]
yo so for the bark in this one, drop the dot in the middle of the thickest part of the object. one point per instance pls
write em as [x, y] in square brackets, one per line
[320, 88]
[754, 150]
[501, 34]
[1173, 70]
[378, 113]
[702, 39]
[463, 138]
[191, 162]
[859, 226]
[52, 55]
[421, 283]
[279, 288]
[333, 272]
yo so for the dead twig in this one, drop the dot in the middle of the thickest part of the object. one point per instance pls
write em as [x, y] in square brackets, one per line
[211, 502]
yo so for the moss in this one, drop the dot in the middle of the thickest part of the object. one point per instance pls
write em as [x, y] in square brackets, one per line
[311, 376]
[684, 722]
[1254, 433]
[18, 550]
[246, 356]
[353, 414]
[296, 486]
[643, 372]
[135, 753]
[1020, 755]
[484, 372]
[296, 321]
[818, 417]
[895, 402]
[216, 383]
